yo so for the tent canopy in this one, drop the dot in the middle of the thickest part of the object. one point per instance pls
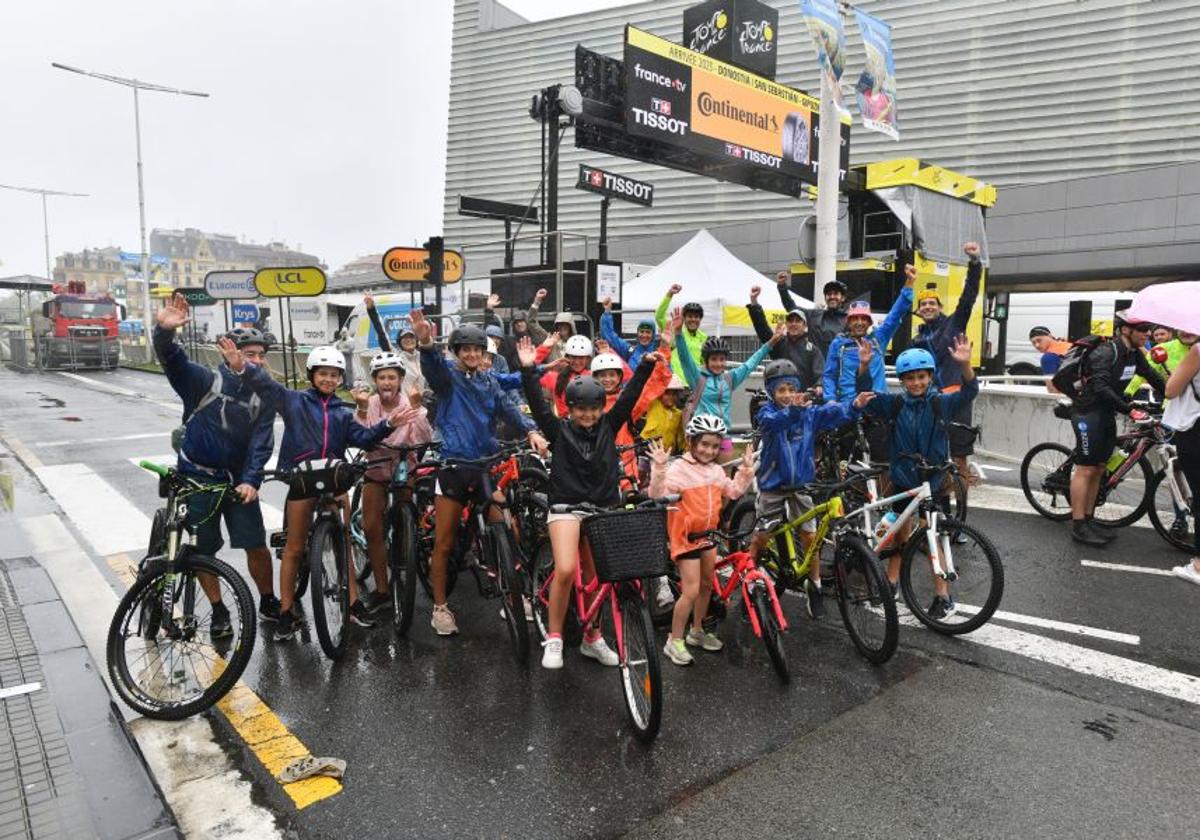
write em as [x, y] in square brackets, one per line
[711, 276]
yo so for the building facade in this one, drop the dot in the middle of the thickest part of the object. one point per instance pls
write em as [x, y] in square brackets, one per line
[192, 253]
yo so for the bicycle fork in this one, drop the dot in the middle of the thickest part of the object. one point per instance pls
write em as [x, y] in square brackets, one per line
[939, 548]
[749, 579]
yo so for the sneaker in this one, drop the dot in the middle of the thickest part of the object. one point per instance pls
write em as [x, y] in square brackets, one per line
[1101, 530]
[1188, 572]
[664, 598]
[942, 608]
[360, 615]
[703, 639]
[376, 601]
[286, 626]
[1179, 528]
[814, 601]
[220, 626]
[960, 538]
[268, 607]
[443, 621]
[677, 652]
[597, 649]
[1083, 533]
[552, 650]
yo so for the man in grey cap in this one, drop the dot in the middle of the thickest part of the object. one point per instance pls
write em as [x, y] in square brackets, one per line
[796, 346]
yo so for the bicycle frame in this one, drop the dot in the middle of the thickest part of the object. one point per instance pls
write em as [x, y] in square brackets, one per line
[920, 497]
[1181, 493]
[828, 511]
[743, 574]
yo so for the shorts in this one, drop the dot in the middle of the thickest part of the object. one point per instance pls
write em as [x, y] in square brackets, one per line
[879, 440]
[576, 515]
[773, 508]
[459, 484]
[1095, 437]
[243, 522]
[962, 441]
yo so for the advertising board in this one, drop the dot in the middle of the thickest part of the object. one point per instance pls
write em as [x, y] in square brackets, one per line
[409, 265]
[304, 281]
[612, 185]
[231, 285]
[741, 32]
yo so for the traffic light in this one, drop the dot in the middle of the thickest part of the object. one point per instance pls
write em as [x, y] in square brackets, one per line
[436, 246]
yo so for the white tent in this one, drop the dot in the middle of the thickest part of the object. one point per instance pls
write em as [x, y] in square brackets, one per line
[711, 276]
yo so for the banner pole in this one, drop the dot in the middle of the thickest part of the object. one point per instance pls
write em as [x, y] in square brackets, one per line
[829, 162]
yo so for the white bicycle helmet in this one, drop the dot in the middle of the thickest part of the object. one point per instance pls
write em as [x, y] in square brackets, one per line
[607, 361]
[578, 345]
[326, 357]
[705, 424]
[386, 359]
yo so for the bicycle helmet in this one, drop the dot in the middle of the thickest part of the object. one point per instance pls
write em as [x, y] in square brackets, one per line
[386, 359]
[584, 392]
[607, 361]
[578, 345]
[915, 359]
[468, 335]
[647, 325]
[714, 345]
[834, 286]
[241, 336]
[705, 424]
[326, 357]
[693, 308]
[778, 372]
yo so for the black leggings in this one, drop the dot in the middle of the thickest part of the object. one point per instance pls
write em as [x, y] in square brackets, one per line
[1187, 445]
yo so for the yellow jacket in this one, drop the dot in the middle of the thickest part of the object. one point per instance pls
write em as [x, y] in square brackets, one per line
[665, 423]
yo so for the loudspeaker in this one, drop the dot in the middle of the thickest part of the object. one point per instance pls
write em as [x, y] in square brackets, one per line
[1079, 319]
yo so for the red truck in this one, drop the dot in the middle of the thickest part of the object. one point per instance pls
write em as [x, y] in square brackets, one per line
[76, 329]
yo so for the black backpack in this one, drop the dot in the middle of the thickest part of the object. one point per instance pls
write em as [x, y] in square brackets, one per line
[1069, 380]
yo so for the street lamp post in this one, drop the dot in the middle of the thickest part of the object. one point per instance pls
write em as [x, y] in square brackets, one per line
[137, 126]
[45, 232]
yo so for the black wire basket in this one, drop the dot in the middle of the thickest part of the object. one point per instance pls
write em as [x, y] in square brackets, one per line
[628, 544]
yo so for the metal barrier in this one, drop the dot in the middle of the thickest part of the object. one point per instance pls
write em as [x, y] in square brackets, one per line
[70, 352]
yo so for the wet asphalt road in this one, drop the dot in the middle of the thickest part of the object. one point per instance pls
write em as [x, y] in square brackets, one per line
[452, 738]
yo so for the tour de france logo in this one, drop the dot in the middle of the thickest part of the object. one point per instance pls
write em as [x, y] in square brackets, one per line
[757, 36]
[710, 33]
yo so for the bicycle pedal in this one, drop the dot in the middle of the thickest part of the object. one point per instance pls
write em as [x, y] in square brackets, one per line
[278, 539]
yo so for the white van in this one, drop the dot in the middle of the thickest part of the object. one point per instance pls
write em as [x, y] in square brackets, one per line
[1027, 310]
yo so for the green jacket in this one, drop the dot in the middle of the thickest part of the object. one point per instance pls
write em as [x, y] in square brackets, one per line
[1176, 350]
[693, 340]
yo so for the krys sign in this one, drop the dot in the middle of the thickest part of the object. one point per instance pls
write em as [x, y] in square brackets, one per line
[615, 186]
[303, 281]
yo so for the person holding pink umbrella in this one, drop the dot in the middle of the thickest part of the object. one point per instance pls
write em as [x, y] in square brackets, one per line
[1183, 415]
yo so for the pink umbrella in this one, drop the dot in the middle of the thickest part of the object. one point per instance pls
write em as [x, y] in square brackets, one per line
[1175, 305]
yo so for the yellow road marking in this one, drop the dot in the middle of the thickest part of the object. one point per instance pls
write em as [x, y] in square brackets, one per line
[271, 742]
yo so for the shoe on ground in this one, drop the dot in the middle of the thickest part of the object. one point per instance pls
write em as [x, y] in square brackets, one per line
[360, 615]
[377, 601]
[220, 626]
[960, 538]
[1188, 572]
[443, 621]
[1103, 531]
[706, 640]
[552, 653]
[599, 650]
[268, 607]
[1083, 533]
[942, 608]
[814, 600]
[286, 626]
[677, 651]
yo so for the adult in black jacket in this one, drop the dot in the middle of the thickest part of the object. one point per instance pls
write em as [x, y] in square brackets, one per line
[796, 346]
[1105, 371]
[824, 325]
[587, 468]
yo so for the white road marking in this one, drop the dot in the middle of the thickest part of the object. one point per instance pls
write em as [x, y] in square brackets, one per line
[1064, 626]
[142, 436]
[1012, 500]
[18, 690]
[102, 386]
[1124, 567]
[109, 521]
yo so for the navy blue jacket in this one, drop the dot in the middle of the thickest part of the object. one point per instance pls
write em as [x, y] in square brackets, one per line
[788, 437]
[468, 405]
[919, 429]
[238, 446]
[938, 337]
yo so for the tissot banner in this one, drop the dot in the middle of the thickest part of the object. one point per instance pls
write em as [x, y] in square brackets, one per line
[824, 23]
[876, 88]
[615, 186]
[683, 98]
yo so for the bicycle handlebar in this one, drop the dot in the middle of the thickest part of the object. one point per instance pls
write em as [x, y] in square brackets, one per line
[588, 507]
[157, 469]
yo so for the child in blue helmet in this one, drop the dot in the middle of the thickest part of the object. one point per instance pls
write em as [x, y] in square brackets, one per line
[919, 417]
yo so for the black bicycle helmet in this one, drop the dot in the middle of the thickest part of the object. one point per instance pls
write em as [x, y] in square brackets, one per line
[241, 336]
[584, 392]
[834, 286]
[693, 308]
[778, 368]
[714, 345]
[468, 335]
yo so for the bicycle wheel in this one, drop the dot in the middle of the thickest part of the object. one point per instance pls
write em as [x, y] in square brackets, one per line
[1175, 525]
[330, 587]
[512, 589]
[772, 636]
[641, 672]
[1046, 480]
[865, 600]
[358, 551]
[741, 519]
[169, 673]
[540, 575]
[157, 544]
[402, 556]
[1125, 504]
[976, 591]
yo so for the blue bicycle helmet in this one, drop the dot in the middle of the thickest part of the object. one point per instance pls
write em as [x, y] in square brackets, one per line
[915, 359]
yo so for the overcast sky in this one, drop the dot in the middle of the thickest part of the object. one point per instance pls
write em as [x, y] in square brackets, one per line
[325, 126]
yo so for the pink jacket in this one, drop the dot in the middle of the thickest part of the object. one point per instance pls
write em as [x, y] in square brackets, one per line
[702, 489]
[410, 434]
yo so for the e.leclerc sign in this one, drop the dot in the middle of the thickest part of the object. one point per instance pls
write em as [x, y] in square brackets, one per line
[612, 185]
[293, 281]
[231, 285]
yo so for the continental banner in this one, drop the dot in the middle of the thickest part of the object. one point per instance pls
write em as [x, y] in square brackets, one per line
[876, 88]
[687, 99]
[824, 23]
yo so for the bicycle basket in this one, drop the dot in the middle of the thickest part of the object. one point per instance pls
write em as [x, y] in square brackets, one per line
[628, 544]
[311, 479]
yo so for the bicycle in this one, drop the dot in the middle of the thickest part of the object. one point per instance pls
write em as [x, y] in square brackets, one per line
[1124, 493]
[161, 616]
[954, 553]
[628, 544]
[1171, 512]
[863, 595]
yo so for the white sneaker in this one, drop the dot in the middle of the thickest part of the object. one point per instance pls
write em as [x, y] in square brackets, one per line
[552, 653]
[664, 597]
[600, 651]
[677, 652]
[443, 621]
[1188, 572]
[708, 641]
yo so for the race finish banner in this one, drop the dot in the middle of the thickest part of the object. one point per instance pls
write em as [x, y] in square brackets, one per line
[876, 88]
[824, 23]
[685, 99]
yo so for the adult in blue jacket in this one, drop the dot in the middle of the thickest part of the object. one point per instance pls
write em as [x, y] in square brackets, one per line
[841, 379]
[228, 435]
[647, 337]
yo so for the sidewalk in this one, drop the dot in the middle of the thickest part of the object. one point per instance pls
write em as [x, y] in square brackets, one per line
[68, 765]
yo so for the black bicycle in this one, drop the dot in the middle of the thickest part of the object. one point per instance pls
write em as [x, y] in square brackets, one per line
[183, 632]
